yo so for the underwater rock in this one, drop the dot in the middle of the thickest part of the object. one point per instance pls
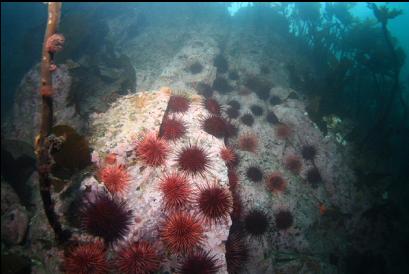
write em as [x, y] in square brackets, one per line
[27, 100]
[17, 164]
[15, 263]
[193, 64]
[109, 74]
[9, 198]
[337, 188]
[121, 130]
[14, 224]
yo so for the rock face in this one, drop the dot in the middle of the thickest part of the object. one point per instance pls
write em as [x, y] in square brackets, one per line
[311, 204]
[26, 112]
[14, 225]
[8, 197]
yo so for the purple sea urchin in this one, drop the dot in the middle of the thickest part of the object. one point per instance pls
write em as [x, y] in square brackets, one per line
[254, 174]
[247, 119]
[283, 219]
[106, 218]
[309, 152]
[200, 262]
[256, 110]
[256, 223]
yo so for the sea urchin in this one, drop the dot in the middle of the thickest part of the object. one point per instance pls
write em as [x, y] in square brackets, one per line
[215, 125]
[256, 223]
[138, 257]
[182, 232]
[86, 258]
[178, 103]
[248, 142]
[293, 163]
[200, 262]
[254, 174]
[176, 191]
[283, 131]
[172, 129]
[193, 159]
[228, 156]
[152, 150]
[276, 182]
[212, 106]
[309, 152]
[283, 219]
[314, 177]
[115, 178]
[107, 218]
[247, 119]
[215, 203]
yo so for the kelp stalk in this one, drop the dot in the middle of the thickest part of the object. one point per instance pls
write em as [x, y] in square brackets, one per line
[44, 143]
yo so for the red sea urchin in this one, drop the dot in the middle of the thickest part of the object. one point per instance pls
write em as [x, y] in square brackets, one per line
[276, 182]
[138, 257]
[182, 232]
[106, 218]
[193, 160]
[233, 179]
[283, 131]
[176, 191]
[110, 159]
[115, 178]
[228, 156]
[200, 262]
[215, 203]
[172, 129]
[293, 163]
[178, 103]
[152, 150]
[212, 106]
[216, 126]
[248, 142]
[86, 258]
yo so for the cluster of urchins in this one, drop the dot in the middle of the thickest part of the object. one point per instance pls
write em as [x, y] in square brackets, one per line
[108, 218]
[256, 223]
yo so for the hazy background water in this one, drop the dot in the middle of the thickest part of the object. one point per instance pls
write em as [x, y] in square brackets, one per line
[20, 50]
